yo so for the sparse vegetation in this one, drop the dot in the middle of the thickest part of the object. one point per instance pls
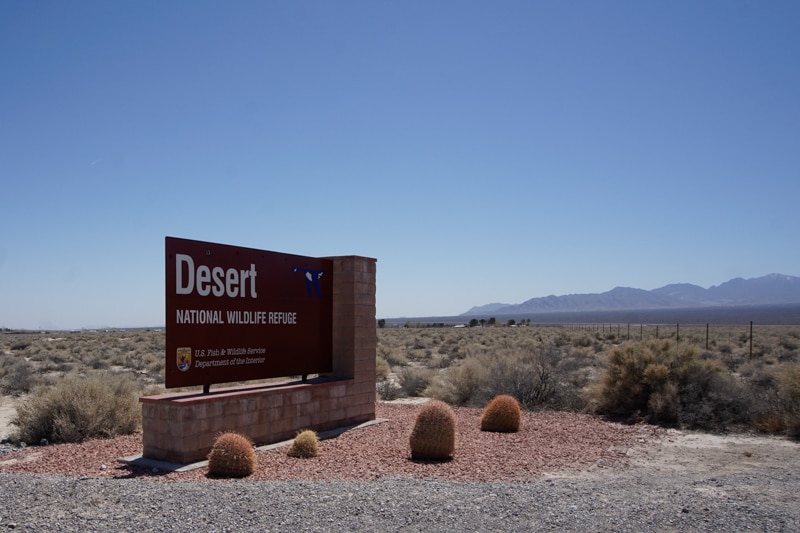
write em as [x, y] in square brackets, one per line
[80, 408]
[789, 394]
[663, 383]
[543, 367]
[693, 377]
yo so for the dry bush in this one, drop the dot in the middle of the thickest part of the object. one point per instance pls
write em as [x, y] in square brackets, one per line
[528, 377]
[667, 384]
[711, 398]
[17, 376]
[459, 385]
[389, 351]
[764, 402]
[382, 369]
[154, 364]
[789, 395]
[414, 380]
[80, 408]
[387, 390]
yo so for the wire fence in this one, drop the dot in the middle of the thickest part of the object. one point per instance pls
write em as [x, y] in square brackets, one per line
[707, 335]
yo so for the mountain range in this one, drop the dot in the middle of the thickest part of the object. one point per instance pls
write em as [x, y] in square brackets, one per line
[767, 290]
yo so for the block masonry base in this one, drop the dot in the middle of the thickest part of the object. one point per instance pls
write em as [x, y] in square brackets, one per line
[181, 427]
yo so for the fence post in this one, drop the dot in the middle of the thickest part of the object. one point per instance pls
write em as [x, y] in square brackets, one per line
[706, 336]
[677, 334]
[751, 339]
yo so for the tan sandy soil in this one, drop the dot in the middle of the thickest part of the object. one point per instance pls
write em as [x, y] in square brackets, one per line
[7, 412]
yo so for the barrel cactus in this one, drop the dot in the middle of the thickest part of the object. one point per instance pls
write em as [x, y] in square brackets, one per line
[232, 455]
[503, 414]
[305, 445]
[434, 433]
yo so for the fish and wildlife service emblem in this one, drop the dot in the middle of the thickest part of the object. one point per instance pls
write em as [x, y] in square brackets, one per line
[184, 359]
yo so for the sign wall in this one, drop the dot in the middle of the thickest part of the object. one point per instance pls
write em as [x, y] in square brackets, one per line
[238, 314]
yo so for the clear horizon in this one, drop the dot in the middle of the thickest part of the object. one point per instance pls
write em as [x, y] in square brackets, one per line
[480, 152]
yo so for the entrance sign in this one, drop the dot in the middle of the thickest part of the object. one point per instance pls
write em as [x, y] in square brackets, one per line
[238, 314]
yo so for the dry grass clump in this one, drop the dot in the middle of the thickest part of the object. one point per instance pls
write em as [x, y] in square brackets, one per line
[17, 375]
[503, 414]
[232, 455]
[414, 379]
[80, 408]
[387, 390]
[382, 368]
[305, 445]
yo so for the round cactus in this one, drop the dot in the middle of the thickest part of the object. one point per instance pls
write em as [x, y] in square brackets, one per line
[434, 433]
[232, 455]
[304, 445]
[503, 414]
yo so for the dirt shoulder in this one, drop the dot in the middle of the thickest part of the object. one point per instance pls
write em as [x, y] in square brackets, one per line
[7, 412]
[689, 455]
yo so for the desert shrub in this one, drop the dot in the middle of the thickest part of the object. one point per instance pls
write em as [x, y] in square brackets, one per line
[387, 390]
[382, 369]
[305, 445]
[232, 455]
[666, 384]
[80, 408]
[574, 371]
[789, 395]
[414, 379]
[789, 343]
[711, 398]
[393, 356]
[17, 375]
[762, 392]
[154, 363]
[460, 384]
[584, 341]
[434, 433]
[528, 377]
[503, 414]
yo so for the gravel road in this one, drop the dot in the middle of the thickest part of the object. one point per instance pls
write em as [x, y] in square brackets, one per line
[621, 479]
[631, 501]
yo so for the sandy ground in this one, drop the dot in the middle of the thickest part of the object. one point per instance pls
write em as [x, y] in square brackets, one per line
[7, 412]
[692, 455]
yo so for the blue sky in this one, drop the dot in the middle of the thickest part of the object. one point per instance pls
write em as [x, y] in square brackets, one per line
[480, 151]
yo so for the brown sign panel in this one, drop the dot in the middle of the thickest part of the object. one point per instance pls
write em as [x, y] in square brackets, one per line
[238, 314]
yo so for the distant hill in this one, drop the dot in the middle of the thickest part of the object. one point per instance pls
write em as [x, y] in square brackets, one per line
[773, 289]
